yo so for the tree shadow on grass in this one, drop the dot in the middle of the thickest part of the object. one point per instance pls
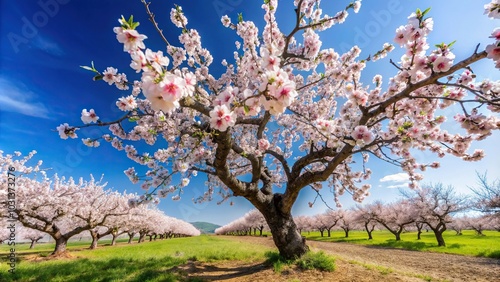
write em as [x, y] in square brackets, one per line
[196, 271]
[407, 245]
[99, 270]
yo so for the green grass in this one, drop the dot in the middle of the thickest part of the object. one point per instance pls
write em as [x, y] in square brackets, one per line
[467, 244]
[316, 260]
[148, 261]
[311, 260]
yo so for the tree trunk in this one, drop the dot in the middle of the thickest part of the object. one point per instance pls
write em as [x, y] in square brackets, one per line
[61, 244]
[368, 231]
[130, 237]
[419, 230]
[398, 235]
[93, 245]
[286, 237]
[260, 230]
[438, 232]
[329, 233]
[113, 241]
[346, 231]
[95, 238]
[439, 238]
[141, 237]
[32, 245]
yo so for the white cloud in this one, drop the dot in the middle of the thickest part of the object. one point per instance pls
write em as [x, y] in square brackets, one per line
[47, 45]
[396, 186]
[14, 97]
[398, 177]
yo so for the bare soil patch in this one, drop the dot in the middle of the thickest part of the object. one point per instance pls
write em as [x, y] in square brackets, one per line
[354, 263]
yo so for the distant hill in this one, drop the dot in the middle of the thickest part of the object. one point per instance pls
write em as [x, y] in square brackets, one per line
[205, 227]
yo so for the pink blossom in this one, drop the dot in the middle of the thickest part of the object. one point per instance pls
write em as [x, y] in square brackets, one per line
[441, 64]
[131, 39]
[493, 51]
[89, 117]
[126, 103]
[492, 9]
[109, 75]
[66, 131]
[221, 118]
[362, 133]
[263, 144]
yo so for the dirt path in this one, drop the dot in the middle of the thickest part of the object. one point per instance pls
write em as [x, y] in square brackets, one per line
[358, 263]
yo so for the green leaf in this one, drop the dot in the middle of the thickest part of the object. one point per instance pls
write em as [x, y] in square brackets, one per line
[426, 11]
[97, 77]
[246, 109]
[87, 68]
[240, 17]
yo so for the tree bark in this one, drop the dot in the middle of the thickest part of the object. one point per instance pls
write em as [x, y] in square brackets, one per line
[346, 231]
[113, 241]
[32, 245]
[61, 244]
[130, 237]
[438, 232]
[95, 238]
[286, 237]
[368, 231]
[439, 238]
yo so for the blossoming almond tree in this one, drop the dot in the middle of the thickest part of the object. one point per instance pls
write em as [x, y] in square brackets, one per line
[62, 208]
[290, 113]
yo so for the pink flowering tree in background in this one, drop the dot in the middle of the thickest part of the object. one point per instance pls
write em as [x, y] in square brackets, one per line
[291, 114]
[59, 207]
[395, 216]
[364, 215]
[256, 221]
[32, 235]
[434, 207]
[303, 223]
[347, 221]
[487, 195]
[4, 232]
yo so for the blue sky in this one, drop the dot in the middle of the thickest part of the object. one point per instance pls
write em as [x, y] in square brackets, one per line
[42, 86]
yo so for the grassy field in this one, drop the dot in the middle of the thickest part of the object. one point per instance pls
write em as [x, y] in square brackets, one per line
[158, 260]
[149, 261]
[467, 244]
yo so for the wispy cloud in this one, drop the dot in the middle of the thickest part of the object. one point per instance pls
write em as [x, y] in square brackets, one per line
[395, 181]
[397, 186]
[47, 45]
[15, 97]
[398, 177]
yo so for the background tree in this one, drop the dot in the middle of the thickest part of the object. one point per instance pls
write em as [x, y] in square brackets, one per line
[347, 221]
[303, 223]
[286, 91]
[394, 216]
[434, 207]
[365, 216]
[487, 195]
[256, 220]
[479, 224]
[458, 224]
[32, 235]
